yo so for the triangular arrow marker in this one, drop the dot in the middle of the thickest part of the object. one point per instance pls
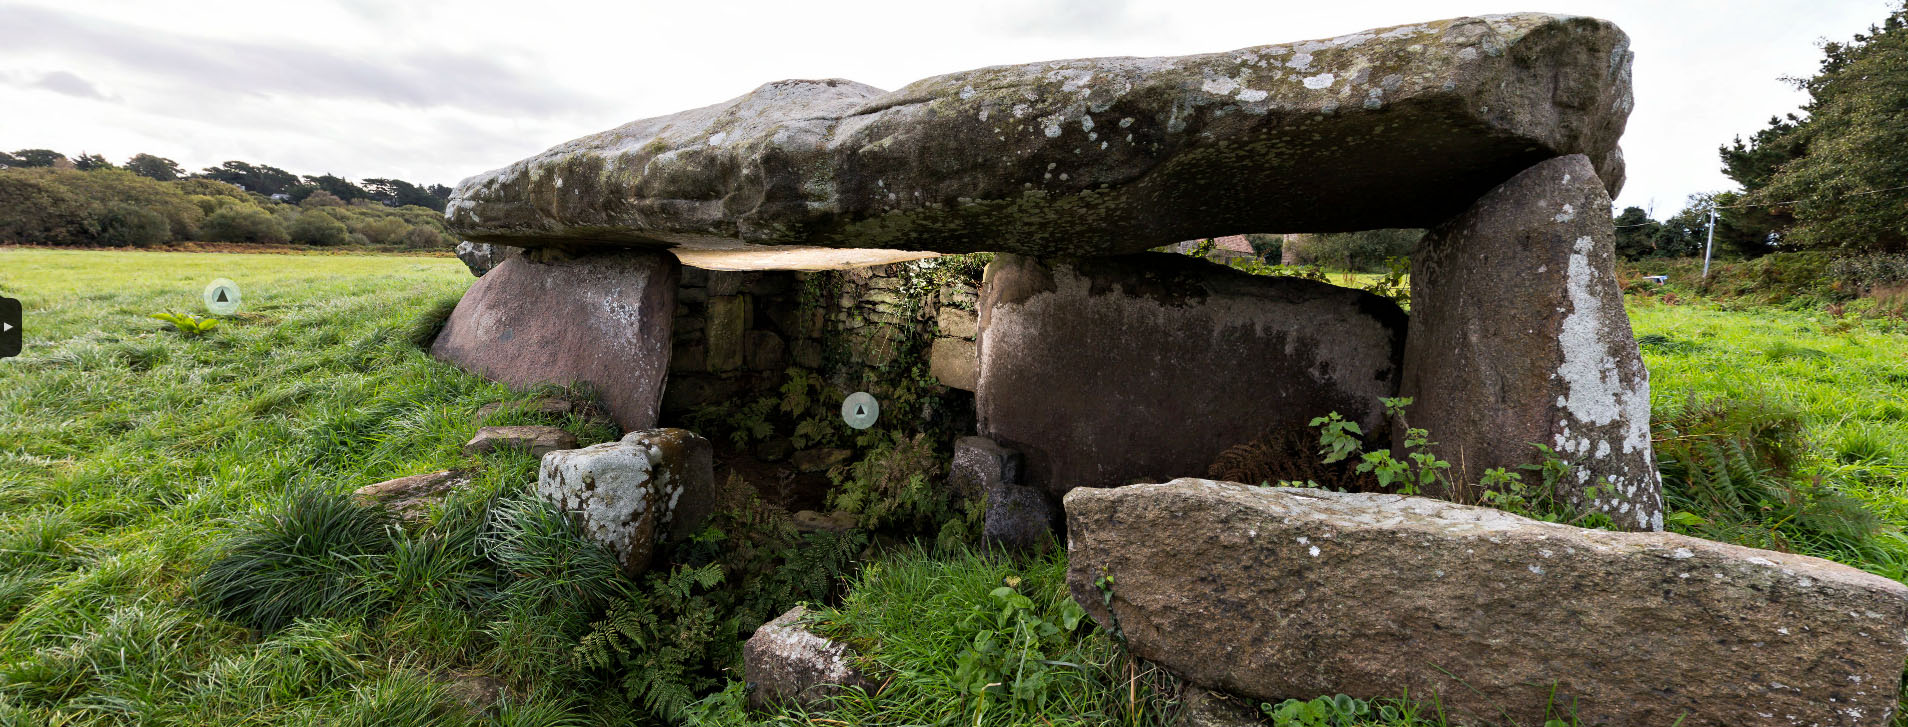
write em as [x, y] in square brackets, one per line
[860, 412]
[4, 327]
[222, 296]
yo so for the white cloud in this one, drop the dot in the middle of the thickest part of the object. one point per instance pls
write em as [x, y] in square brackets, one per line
[434, 92]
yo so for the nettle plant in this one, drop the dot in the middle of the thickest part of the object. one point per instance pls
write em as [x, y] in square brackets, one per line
[1422, 472]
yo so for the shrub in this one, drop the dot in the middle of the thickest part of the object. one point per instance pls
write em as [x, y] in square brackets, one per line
[423, 238]
[384, 230]
[305, 560]
[313, 228]
[898, 484]
[1867, 272]
[125, 224]
[244, 223]
[34, 211]
[321, 198]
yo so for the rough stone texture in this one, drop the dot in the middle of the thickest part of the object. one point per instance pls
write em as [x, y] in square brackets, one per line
[787, 664]
[1275, 593]
[411, 497]
[1091, 156]
[957, 323]
[1019, 518]
[980, 465]
[536, 439]
[1518, 336]
[1105, 371]
[601, 319]
[955, 362]
[481, 257]
[1202, 708]
[541, 406]
[728, 322]
[628, 495]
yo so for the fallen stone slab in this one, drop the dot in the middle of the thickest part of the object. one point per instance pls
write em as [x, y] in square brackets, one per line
[1106, 371]
[536, 439]
[1519, 337]
[602, 319]
[788, 664]
[1392, 127]
[1278, 593]
[652, 485]
[412, 497]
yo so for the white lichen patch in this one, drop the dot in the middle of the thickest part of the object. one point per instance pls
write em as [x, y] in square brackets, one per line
[1322, 80]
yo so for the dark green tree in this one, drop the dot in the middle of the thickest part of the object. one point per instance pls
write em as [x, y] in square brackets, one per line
[1636, 233]
[37, 158]
[398, 193]
[1832, 178]
[154, 167]
[89, 162]
[263, 178]
[338, 187]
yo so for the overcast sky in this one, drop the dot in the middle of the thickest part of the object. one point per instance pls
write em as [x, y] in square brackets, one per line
[434, 92]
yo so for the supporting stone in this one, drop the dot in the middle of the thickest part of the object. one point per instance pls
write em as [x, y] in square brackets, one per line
[1519, 337]
[600, 319]
[654, 485]
[1276, 593]
[1105, 371]
[482, 257]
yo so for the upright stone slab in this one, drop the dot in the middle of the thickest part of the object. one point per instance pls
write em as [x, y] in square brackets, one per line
[1104, 371]
[1278, 593]
[601, 319]
[1519, 337]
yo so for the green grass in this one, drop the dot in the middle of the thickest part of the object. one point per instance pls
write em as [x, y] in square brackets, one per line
[173, 549]
[132, 458]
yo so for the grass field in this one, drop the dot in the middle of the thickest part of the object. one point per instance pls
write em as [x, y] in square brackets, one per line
[132, 457]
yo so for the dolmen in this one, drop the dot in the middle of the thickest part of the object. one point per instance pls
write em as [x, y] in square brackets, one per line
[1102, 365]
[1497, 133]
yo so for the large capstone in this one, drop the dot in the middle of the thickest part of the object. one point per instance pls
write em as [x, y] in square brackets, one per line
[1278, 593]
[653, 485]
[1519, 337]
[1394, 127]
[1105, 371]
[545, 318]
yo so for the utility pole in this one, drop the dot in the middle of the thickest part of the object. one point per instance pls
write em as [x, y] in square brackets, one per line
[1711, 245]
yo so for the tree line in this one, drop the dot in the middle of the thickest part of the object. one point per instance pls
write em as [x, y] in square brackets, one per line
[1832, 177]
[49, 199]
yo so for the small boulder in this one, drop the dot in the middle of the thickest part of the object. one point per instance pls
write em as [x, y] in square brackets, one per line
[411, 497]
[1203, 708]
[955, 363]
[788, 664]
[1277, 593]
[628, 495]
[481, 257]
[1019, 518]
[980, 465]
[538, 439]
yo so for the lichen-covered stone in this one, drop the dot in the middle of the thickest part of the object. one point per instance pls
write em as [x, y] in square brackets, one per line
[536, 439]
[785, 663]
[601, 319]
[628, 495]
[728, 324]
[411, 497]
[1278, 593]
[1105, 371]
[1394, 127]
[1519, 337]
[482, 257]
